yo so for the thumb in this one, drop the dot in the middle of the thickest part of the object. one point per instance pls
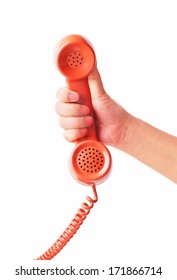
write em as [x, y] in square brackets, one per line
[96, 86]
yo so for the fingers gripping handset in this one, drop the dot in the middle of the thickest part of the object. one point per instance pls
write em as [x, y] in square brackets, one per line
[90, 161]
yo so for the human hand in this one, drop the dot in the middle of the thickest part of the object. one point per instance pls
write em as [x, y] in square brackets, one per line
[110, 118]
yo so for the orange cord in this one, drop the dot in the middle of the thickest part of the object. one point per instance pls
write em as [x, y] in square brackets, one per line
[72, 228]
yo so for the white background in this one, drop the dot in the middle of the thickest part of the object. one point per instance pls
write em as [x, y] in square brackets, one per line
[135, 44]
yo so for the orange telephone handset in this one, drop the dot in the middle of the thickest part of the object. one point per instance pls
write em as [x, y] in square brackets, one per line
[90, 162]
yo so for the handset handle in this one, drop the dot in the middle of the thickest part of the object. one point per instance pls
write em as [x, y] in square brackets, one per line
[81, 86]
[75, 59]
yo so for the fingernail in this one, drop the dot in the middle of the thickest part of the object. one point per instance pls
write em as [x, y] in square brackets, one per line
[88, 120]
[84, 110]
[83, 130]
[73, 96]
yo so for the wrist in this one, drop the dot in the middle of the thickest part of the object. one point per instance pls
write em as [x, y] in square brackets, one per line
[127, 138]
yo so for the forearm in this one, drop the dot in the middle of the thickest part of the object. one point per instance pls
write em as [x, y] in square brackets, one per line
[151, 146]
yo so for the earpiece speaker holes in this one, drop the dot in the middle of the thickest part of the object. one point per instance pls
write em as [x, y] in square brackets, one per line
[75, 59]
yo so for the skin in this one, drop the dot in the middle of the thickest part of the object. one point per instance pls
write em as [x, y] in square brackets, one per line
[117, 128]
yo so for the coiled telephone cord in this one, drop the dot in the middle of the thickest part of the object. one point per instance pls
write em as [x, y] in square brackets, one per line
[72, 228]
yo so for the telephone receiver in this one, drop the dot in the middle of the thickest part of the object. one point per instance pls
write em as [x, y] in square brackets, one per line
[90, 161]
